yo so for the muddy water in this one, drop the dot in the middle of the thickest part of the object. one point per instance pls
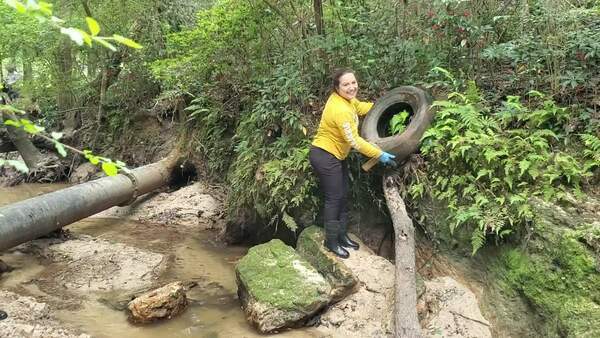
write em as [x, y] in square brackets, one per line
[214, 309]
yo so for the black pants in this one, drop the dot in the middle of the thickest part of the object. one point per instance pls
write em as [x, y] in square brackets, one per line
[333, 181]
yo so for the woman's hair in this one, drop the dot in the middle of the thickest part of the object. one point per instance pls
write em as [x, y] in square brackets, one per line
[337, 74]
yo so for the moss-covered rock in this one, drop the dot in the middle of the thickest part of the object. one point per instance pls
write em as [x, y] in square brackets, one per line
[278, 288]
[558, 272]
[310, 246]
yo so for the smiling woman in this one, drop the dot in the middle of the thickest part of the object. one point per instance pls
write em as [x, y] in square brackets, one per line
[337, 134]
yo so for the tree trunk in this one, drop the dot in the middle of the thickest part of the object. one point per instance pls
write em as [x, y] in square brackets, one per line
[31, 155]
[64, 97]
[405, 312]
[318, 7]
[27, 71]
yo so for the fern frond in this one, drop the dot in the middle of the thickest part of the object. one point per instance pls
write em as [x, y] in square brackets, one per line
[591, 141]
[477, 240]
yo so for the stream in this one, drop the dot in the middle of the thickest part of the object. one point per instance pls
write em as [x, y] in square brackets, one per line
[214, 309]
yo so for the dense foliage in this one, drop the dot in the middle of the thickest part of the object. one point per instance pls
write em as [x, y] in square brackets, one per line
[516, 84]
[258, 71]
[256, 76]
[486, 163]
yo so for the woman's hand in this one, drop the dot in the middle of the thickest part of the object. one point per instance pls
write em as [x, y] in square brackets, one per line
[387, 159]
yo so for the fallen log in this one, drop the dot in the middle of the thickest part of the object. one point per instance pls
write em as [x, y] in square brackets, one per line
[6, 146]
[30, 154]
[29, 219]
[405, 313]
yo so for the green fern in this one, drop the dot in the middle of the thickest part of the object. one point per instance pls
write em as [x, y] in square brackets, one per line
[486, 167]
[477, 240]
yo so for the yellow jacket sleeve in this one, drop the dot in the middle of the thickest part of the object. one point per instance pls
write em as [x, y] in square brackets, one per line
[347, 122]
[362, 108]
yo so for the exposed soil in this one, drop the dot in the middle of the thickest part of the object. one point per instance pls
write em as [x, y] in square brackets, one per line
[195, 207]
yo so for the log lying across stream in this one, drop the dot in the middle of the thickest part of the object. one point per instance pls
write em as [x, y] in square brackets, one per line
[405, 313]
[29, 219]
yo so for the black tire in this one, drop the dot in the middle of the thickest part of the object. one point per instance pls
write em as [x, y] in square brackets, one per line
[407, 142]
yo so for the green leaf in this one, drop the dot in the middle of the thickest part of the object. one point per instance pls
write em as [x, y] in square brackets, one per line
[523, 165]
[16, 5]
[93, 26]
[127, 42]
[60, 148]
[92, 158]
[109, 168]
[104, 43]
[87, 38]
[289, 221]
[45, 8]
[13, 123]
[30, 127]
[56, 136]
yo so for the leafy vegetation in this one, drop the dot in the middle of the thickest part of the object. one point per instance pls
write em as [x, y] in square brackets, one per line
[254, 75]
[516, 82]
[398, 122]
[43, 12]
[486, 164]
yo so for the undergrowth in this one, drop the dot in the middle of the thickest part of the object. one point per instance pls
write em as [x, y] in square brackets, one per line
[486, 162]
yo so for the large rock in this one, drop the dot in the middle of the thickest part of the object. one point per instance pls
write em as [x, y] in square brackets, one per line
[557, 272]
[449, 309]
[163, 303]
[310, 246]
[278, 288]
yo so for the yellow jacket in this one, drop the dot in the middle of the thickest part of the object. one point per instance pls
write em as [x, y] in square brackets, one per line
[338, 130]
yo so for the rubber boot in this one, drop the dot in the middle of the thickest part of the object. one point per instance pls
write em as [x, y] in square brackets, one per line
[343, 238]
[332, 229]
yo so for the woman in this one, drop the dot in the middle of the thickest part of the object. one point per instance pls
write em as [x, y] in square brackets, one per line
[337, 133]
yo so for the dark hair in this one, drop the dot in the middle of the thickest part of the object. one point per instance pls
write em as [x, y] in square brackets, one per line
[337, 74]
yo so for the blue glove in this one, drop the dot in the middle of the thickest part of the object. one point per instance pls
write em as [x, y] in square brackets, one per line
[387, 159]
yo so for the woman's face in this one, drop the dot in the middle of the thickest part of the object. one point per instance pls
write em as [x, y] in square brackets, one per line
[348, 86]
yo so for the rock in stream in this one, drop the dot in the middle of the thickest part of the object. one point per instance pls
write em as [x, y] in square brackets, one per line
[278, 288]
[163, 303]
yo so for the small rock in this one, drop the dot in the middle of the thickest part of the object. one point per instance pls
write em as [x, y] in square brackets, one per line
[310, 246]
[83, 173]
[4, 267]
[163, 303]
[278, 288]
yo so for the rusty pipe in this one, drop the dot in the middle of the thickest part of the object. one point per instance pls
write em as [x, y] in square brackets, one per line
[29, 219]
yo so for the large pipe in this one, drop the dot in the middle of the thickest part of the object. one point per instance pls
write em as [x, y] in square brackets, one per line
[29, 219]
